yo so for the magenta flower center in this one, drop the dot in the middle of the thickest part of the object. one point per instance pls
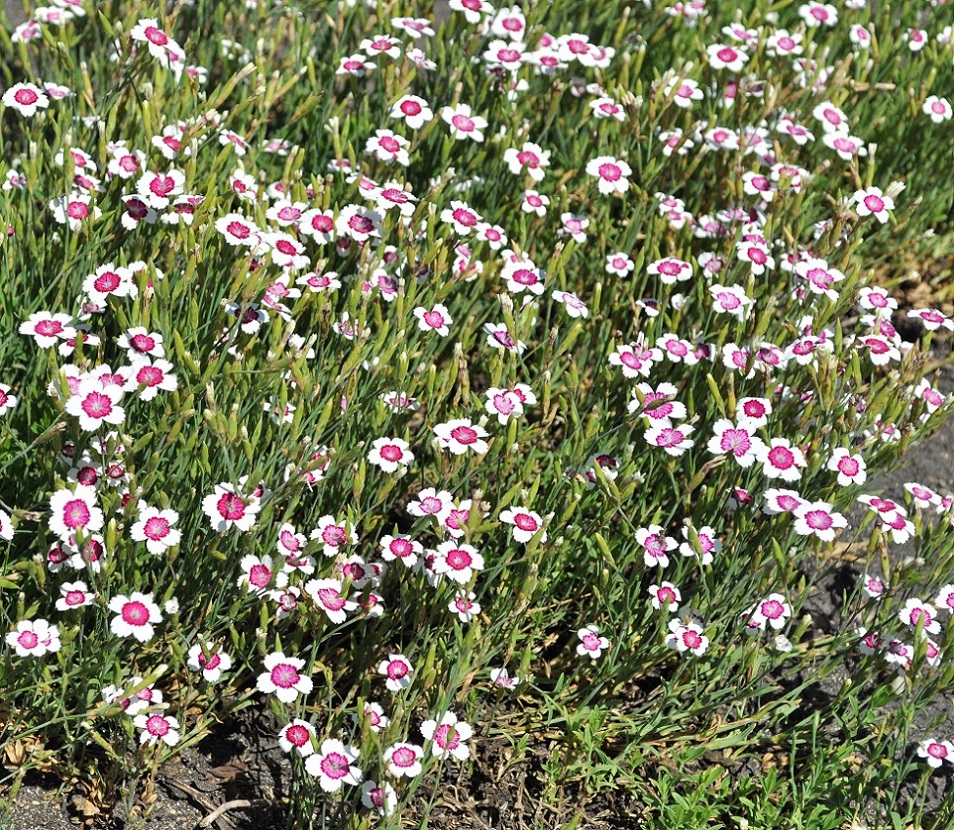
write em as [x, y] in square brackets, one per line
[392, 453]
[691, 639]
[403, 757]
[446, 737]
[818, 520]
[26, 97]
[28, 639]
[209, 663]
[772, 609]
[459, 559]
[463, 123]
[331, 599]
[230, 507]
[736, 441]
[610, 172]
[464, 435]
[156, 528]
[525, 522]
[74, 598]
[284, 676]
[76, 514]
[297, 735]
[397, 669]
[135, 613]
[162, 185]
[335, 765]
[259, 576]
[156, 36]
[333, 535]
[156, 725]
[781, 458]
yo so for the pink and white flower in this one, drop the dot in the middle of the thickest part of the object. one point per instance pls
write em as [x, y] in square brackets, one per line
[674, 440]
[611, 172]
[817, 518]
[390, 454]
[851, 469]
[458, 562]
[26, 99]
[656, 546]
[665, 596]
[334, 765]
[403, 760]
[34, 638]
[526, 524]
[687, 636]
[155, 528]
[400, 548]
[936, 752]
[461, 435]
[327, 594]
[398, 671]
[463, 123]
[227, 508]
[297, 735]
[209, 659]
[136, 616]
[779, 459]
[531, 158]
[438, 319]
[334, 534]
[915, 612]
[737, 440]
[283, 677]
[415, 111]
[873, 202]
[447, 736]
[74, 595]
[591, 643]
[464, 605]
[74, 511]
[156, 727]
[938, 109]
[701, 543]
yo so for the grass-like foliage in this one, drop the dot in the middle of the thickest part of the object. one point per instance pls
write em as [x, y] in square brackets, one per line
[477, 393]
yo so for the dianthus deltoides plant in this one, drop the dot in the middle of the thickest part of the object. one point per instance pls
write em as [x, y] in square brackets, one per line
[480, 395]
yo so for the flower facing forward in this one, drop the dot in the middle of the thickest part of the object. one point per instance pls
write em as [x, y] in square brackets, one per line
[685, 637]
[155, 528]
[333, 765]
[156, 727]
[227, 509]
[297, 735]
[460, 435]
[283, 678]
[34, 638]
[447, 736]
[936, 752]
[403, 760]
[390, 454]
[135, 616]
[398, 670]
[591, 643]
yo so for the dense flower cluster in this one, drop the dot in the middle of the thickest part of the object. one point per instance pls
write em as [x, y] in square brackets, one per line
[445, 360]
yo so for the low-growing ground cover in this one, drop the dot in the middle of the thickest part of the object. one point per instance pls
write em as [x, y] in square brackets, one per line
[477, 401]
